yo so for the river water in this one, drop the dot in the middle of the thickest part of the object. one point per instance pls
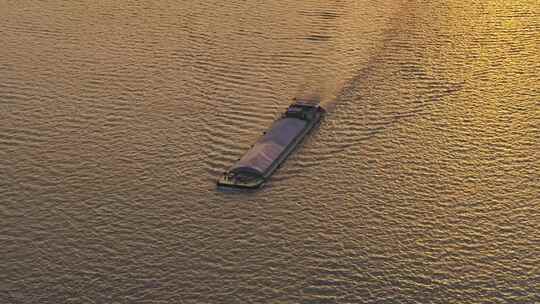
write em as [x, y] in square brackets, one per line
[421, 185]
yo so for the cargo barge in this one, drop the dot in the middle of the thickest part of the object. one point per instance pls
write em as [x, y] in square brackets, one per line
[272, 149]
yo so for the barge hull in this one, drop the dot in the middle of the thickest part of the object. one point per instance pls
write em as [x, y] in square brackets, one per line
[273, 148]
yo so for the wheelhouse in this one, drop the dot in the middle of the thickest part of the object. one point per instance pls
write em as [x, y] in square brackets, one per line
[303, 111]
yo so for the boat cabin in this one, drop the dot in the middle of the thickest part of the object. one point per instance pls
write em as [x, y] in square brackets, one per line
[301, 111]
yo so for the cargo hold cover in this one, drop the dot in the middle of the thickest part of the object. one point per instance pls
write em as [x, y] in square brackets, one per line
[268, 148]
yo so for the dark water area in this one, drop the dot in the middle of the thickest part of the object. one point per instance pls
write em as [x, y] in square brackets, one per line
[422, 184]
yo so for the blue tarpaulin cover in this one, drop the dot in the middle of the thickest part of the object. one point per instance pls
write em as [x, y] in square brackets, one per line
[268, 148]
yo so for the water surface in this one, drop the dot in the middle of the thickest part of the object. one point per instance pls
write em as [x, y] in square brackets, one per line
[420, 186]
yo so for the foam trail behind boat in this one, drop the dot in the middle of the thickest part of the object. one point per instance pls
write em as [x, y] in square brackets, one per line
[324, 93]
